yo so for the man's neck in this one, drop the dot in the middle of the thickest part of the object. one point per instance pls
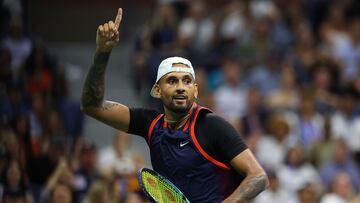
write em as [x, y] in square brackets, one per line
[176, 120]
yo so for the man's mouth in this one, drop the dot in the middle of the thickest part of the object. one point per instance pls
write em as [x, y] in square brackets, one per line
[179, 97]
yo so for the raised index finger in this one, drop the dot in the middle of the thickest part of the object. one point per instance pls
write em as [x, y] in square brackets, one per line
[118, 18]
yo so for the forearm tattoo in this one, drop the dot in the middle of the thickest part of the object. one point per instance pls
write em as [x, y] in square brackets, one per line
[108, 105]
[93, 89]
[250, 188]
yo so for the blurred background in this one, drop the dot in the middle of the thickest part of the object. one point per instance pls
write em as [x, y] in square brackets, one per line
[285, 74]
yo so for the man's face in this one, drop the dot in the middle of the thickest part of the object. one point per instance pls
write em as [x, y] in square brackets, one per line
[61, 194]
[177, 91]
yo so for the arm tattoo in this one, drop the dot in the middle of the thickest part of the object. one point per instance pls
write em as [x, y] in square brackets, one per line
[107, 105]
[250, 188]
[93, 89]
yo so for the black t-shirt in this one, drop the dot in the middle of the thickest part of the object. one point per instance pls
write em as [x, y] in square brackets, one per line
[216, 136]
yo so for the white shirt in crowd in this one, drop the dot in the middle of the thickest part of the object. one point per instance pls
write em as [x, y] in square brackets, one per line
[122, 165]
[279, 196]
[278, 150]
[19, 49]
[347, 129]
[332, 198]
[230, 102]
[292, 179]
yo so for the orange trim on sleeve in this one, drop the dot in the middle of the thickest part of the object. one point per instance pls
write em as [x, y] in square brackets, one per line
[153, 123]
[201, 150]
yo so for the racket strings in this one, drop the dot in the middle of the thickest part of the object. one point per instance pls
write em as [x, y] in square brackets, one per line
[162, 191]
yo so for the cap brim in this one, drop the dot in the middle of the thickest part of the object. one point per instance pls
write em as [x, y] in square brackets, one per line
[152, 92]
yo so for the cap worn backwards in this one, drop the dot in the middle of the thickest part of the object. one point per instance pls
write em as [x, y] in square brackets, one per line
[168, 65]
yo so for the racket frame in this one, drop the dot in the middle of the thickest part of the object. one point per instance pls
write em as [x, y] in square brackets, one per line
[142, 184]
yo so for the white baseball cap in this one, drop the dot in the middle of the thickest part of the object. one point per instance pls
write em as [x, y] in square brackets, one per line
[167, 66]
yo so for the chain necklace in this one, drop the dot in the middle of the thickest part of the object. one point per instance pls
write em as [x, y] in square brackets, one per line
[179, 123]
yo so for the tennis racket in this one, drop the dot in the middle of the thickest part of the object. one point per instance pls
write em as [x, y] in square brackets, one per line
[158, 189]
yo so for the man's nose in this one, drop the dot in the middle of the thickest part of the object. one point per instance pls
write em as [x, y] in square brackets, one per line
[180, 91]
[180, 87]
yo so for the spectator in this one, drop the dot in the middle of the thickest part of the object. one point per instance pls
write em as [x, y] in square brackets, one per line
[257, 49]
[38, 72]
[307, 194]
[61, 175]
[133, 184]
[303, 55]
[309, 124]
[14, 183]
[15, 104]
[54, 127]
[264, 74]
[61, 193]
[230, 97]
[286, 98]
[205, 96]
[18, 44]
[297, 172]
[41, 166]
[347, 51]
[341, 190]
[256, 114]
[275, 193]
[321, 151]
[98, 193]
[163, 28]
[337, 42]
[345, 124]
[196, 33]
[324, 75]
[233, 25]
[37, 115]
[117, 157]
[11, 143]
[341, 161]
[278, 141]
[87, 172]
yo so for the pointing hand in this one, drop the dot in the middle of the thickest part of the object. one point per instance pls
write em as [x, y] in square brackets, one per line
[107, 35]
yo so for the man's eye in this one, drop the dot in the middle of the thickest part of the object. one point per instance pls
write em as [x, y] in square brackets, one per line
[187, 81]
[171, 82]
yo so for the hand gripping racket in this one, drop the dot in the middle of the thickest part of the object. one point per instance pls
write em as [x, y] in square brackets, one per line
[158, 189]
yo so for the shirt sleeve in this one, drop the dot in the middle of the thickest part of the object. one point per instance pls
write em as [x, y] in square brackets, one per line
[140, 120]
[218, 137]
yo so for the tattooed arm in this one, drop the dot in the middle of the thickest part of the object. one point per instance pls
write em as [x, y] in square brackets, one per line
[255, 181]
[92, 100]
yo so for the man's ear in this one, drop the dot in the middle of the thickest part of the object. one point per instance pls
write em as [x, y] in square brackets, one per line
[157, 92]
[196, 91]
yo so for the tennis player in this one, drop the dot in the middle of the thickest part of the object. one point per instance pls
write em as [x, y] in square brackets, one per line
[195, 149]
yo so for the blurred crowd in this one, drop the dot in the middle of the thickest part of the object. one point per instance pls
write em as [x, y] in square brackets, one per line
[286, 74]
[44, 156]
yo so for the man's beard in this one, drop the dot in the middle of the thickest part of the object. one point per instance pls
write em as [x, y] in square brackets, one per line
[179, 109]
